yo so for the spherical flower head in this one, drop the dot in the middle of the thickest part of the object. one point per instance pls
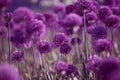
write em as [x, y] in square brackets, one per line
[8, 72]
[22, 15]
[76, 40]
[65, 48]
[44, 46]
[91, 18]
[17, 56]
[61, 67]
[3, 32]
[104, 12]
[71, 71]
[74, 19]
[36, 28]
[108, 65]
[112, 21]
[59, 39]
[40, 16]
[83, 6]
[98, 32]
[5, 3]
[59, 8]
[93, 63]
[20, 39]
[109, 2]
[103, 45]
[51, 19]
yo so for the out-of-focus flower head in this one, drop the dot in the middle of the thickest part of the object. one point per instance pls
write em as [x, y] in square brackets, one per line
[40, 16]
[65, 48]
[103, 45]
[69, 8]
[98, 32]
[104, 12]
[21, 39]
[91, 18]
[61, 67]
[44, 46]
[116, 10]
[93, 63]
[22, 15]
[8, 72]
[17, 56]
[113, 21]
[36, 28]
[107, 66]
[59, 39]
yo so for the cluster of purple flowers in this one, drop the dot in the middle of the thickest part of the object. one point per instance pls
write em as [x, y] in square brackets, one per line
[82, 40]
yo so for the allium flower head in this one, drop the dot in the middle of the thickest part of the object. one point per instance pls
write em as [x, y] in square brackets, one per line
[44, 46]
[69, 8]
[59, 39]
[93, 63]
[108, 65]
[65, 48]
[91, 18]
[59, 8]
[83, 6]
[116, 10]
[40, 16]
[104, 12]
[99, 32]
[22, 15]
[8, 72]
[103, 45]
[61, 67]
[17, 56]
[112, 21]
[36, 28]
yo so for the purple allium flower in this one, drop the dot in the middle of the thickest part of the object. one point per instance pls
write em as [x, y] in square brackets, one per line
[40, 16]
[59, 39]
[44, 46]
[83, 5]
[71, 71]
[8, 72]
[3, 32]
[51, 19]
[69, 8]
[36, 28]
[17, 56]
[107, 66]
[20, 39]
[65, 48]
[103, 45]
[59, 8]
[104, 12]
[75, 40]
[112, 21]
[99, 32]
[61, 67]
[91, 18]
[93, 63]
[22, 15]
[109, 2]
[5, 3]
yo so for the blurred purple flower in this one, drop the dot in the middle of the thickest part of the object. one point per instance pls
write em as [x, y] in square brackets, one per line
[103, 45]
[5, 3]
[44, 46]
[65, 48]
[8, 72]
